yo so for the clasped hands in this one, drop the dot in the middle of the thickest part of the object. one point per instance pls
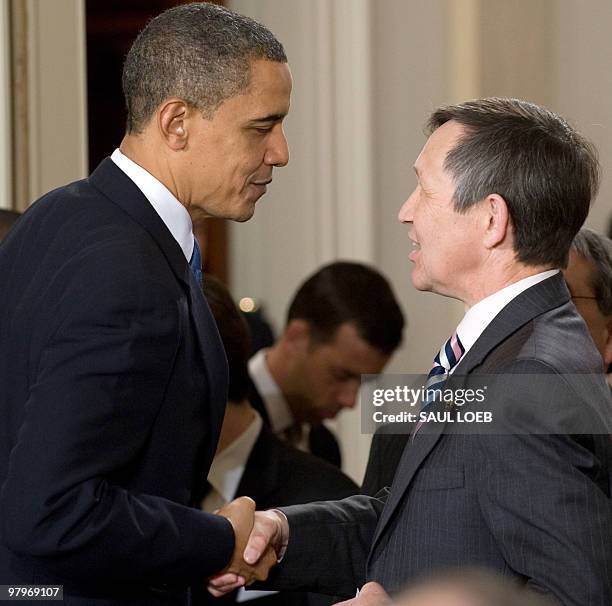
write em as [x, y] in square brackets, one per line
[261, 538]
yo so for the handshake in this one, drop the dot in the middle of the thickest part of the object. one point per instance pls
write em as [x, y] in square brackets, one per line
[261, 538]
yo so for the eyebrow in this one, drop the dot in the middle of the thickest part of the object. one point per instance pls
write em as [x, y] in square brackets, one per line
[270, 118]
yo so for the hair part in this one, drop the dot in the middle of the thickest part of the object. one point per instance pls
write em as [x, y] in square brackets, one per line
[201, 53]
[597, 249]
[546, 172]
[352, 292]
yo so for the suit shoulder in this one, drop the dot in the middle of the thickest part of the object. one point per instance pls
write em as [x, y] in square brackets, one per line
[305, 476]
[557, 340]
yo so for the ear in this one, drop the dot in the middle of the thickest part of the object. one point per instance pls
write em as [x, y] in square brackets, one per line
[297, 335]
[172, 123]
[608, 345]
[497, 220]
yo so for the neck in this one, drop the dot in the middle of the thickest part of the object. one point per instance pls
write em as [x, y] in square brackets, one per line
[491, 281]
[144, 152]
[278, 361]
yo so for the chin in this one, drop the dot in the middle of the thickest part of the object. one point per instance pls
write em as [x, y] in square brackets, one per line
[242, 214]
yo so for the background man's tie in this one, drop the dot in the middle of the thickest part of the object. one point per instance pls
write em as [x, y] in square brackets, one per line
[196, 263]
[448, 357]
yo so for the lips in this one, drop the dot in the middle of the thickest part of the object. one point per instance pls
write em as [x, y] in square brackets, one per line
[416, 247]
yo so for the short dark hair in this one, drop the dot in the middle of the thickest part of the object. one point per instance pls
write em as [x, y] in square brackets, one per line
[199, 52]
[346, 291]
[234, 334]
[546, 172]
[597, 249]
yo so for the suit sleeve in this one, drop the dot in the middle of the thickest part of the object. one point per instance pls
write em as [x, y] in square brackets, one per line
[328, 546]
[547, 502]
[94, 397]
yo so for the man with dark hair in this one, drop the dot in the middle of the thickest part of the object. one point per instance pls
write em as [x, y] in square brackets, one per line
[589, 279]
[502, 188]
[343, 322]
[113, 377]
[250, 459]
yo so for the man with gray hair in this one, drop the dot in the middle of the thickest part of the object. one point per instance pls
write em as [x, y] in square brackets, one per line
[113, 376]
[589, 279]
[503, 186]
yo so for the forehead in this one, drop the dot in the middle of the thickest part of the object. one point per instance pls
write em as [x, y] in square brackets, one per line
[434, 152]
[269, 88]
[348, 349]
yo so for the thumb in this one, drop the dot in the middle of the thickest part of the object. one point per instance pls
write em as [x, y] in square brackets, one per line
[373, 589]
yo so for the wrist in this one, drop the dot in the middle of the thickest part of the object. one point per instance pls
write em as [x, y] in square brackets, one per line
[282, 541]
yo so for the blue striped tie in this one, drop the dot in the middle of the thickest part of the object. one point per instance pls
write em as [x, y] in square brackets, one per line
[196, 263]
[446, 359]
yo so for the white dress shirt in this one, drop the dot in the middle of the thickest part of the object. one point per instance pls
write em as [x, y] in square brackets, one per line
[171, 211]
[479, 316]
[279, 413]
[228, 467]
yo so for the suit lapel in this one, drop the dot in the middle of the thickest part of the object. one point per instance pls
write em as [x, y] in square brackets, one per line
[260, 479]
[111, 181]
[414, 454]
[534, 301]
[538, 299]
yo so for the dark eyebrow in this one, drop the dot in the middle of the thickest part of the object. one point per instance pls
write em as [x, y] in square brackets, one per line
[270, 118]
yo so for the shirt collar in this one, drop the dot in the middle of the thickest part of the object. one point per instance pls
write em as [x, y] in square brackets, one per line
[277, 407]
[171, 211]
[479, 316]
[228, 466]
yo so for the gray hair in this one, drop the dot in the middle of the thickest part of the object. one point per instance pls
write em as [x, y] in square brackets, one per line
[546, 172]
[199, 52]
[597, 249]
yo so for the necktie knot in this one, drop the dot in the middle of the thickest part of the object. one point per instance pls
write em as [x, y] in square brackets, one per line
[448, 356]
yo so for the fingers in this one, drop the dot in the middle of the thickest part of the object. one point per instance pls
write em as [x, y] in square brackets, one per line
[261, 536]
[373, 589]
[270, 529]
[257, 538]
[224, 583]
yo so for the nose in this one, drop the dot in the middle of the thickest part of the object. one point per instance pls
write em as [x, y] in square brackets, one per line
[277, 153]
[406, 211]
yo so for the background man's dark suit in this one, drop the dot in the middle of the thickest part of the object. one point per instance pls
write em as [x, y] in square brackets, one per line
[534, 507]
[321, 441]
[277, 474]
[385, 454]
[113, 389]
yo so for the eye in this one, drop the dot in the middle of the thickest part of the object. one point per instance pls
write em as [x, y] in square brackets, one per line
[264, 130]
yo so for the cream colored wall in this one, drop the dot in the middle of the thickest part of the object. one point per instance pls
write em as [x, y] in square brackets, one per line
[57, 93]
[583, 92]
[45, 137]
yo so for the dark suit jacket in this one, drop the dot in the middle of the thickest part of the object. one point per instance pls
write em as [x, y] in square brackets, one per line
[321, 441]
[113, 388]
[385, 454]
[535, 508]
[277, 474]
